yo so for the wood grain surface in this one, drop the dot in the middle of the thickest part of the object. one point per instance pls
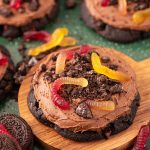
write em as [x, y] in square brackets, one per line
[52, 140]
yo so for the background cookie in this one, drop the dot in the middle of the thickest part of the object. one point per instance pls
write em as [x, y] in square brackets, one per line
[110, 32]
[19, 129]
[7, 82]
[32, 16]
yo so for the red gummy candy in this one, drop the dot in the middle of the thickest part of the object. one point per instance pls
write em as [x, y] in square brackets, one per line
[36, 35]
[69, 55]
[83, 50]
[3, 60]
[142, 138]
[57, 99]
[16, 4]
[105, 3]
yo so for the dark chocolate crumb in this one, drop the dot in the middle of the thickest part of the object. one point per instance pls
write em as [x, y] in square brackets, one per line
[43, 67]
[6, 12]
[113, 67]
[105, 59]
[6, 1]
[84, 111]
[70, 3]
[21, 10]
[10, 31]
[140, 6]
[22, 48]
[34, 5]
[54, 58]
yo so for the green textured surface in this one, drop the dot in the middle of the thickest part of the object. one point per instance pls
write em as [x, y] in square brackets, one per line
[71, 19]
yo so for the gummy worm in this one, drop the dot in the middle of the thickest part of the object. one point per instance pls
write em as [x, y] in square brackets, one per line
[99, 68]
[140, 16]
[62, 57]
[142, 138]
[56, 98]
[102, 105]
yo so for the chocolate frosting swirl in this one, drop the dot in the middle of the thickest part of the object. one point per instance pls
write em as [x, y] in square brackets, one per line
[68, 119]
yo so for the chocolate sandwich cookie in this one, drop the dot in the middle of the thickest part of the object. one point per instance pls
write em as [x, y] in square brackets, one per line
[6, 143]
[17, 17]
[6, 72]
[108, 22]
[19, 129]
[72, 99]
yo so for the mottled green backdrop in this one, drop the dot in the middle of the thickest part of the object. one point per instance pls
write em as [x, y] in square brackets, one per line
[71, 19]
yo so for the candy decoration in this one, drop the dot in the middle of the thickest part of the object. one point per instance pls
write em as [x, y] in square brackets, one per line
[68, 41]
[15, 4]
[99, 68]
[141, 16]
[105, 3]
[142, 138]
[102, 105]
[3, 60]
[56, 98]
[122, 6]
[3, 130]
[83, 50]
[56, 39]
[36, 35]
[62, 57]
[60, 63]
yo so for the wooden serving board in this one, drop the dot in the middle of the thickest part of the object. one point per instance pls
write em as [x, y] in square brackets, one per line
[51, 140]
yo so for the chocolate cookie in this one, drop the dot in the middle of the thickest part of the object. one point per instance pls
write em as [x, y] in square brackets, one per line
[114, 127]
[6, 143]
[110, 32]
[78, 112]
[16, 28]
[6, 83]
[19, 129]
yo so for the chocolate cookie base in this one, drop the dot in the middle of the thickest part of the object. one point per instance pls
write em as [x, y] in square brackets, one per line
[11, 32]
[110, 32]
[114, 127]
[6, 84]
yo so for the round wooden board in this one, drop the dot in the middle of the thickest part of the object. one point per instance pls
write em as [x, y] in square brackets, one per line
[51, 140]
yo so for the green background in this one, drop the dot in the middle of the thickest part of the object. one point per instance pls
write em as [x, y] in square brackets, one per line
[71, 19]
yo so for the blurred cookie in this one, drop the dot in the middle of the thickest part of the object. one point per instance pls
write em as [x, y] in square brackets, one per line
[104, 17]
[7, 70]
[17, 17]
[19, 129]
[6, 143]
